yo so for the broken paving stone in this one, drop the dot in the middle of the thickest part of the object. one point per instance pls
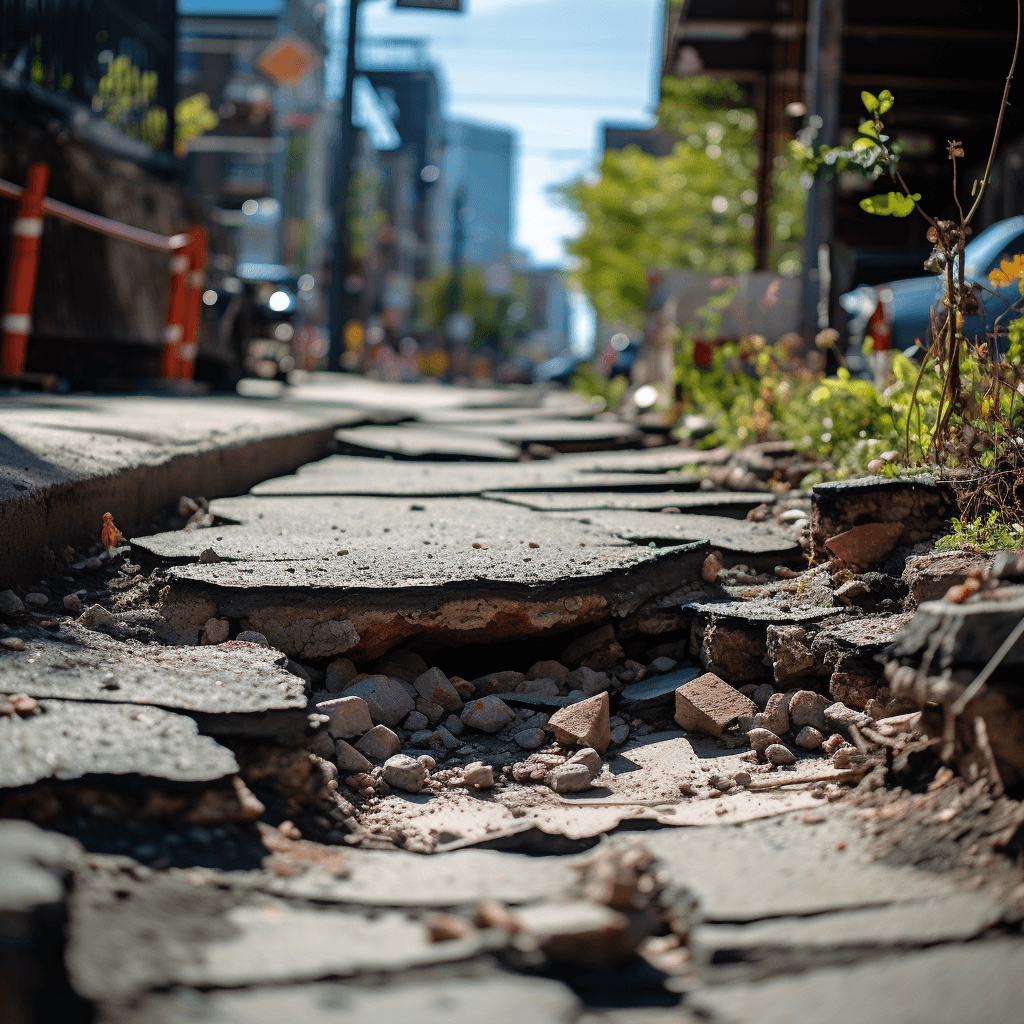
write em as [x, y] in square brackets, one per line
[569, 778]
[865, 545]
[580, 933]
[387, 698]
[10, 603]
[405, 773]
[529, 739]
[379, 744]
[929, 576]
[778, 754]
[348, 759]
[808, 708]
[709, 503]
[435, 687]
[79, 664]
[659, 686]
[346, 716]
[413, 441]
[584, 724]
[488, 714]
[67, 740]
[809, 738]
[710, 705]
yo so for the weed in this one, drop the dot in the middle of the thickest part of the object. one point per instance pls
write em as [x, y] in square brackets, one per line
[982, 534]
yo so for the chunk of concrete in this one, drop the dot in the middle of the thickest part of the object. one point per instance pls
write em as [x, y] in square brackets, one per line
[584, 724]
[348, 716]
[379, 744]
[435, 687]
[808, 708]
[348, 759]
[569, 778]
[387, 698]
[488, 714]
[406, 773]
[865, 545]
[710, 705]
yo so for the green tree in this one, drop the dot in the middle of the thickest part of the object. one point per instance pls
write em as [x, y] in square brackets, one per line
[495, 317]
[690, 210]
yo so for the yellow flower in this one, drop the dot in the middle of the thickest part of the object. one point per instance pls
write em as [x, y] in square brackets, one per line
[1008, 271]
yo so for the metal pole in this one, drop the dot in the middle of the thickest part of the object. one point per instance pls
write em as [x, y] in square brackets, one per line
[824, 76]
[342, 302]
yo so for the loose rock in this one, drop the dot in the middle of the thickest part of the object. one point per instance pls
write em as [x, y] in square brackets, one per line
[488, 714]
[529, 739]
[548, 670]
[568, 778]
[379, 744]
[809, 738]
[587, 756]
[435, 687]
[775, 717]
[478, 775]
[346, 716]
[584, 724]
[340, 673]
[777, 754]
[808, 708]
[348, 759]
[386, 698]
[762, 739]
[250, 636]
[405, 773]
[10, 603]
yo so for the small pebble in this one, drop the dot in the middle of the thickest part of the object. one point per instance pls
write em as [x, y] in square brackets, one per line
[777, 754]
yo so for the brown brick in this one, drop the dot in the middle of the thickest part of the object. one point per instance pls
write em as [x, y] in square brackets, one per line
[709, 705]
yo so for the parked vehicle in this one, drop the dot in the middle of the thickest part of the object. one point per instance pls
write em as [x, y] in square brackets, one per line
[897, 315]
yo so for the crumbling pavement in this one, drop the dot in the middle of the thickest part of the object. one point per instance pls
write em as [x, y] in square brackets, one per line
[383, 748]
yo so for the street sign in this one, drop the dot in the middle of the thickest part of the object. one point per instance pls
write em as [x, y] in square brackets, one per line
[287, 61]
[432, 5]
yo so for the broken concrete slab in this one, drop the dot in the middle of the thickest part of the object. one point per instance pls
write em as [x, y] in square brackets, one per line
[351, 475]
[67, 740]
[965, 633]
[795, 943]
[512, 999]
[450, 570]
[709, 705]
[279, 943]
[757, 544]
[948, 985]
[929, 576]
[650, 460]
[562, 435]
[411, 441]
[712, 503]
[75, 663]
[921, 503]
[65, 461]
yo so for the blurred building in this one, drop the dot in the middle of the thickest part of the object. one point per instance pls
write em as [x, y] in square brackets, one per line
[655, 141]
[477, 179]
[548, 313]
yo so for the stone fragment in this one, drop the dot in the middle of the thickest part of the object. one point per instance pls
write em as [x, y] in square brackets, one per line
[660, 665]
[497, 682]
[929, 576]
[580, 933]
[839, 717]
[346, 716]
[405, 773]
[488, 714]
[97, 617]
[463, 687]
[321, 744]
[853, 591]
[584, 724]
[250, 636]
[529, 739]
[587, 756]
[865, 545]
[421, 739]
[710, 705]
[386, 698]
[427, 761]
[548, 670]
[340, 673]
[216, 631]
[589, 681]
[741, 778]
[762, 739]
[538, 688]
[379, 744]
[777, 754]
[713, 565]
[441, 737]
[762, 694]
[348, 759]
[435, 687]
[856, 689]
[833, 743]
[432, 712]
[790, 655]
[414, 721]
[808, 708]
[809, 738]
[588, 644]
[568, 778]
[37, 600]
[478, 775]
[619, 734]
[401, 664]
[775, 717]
[10, 603]
[454, 725]
[73, 603]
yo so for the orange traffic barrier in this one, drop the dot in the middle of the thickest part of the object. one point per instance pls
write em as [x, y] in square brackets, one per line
[184, 303]
[26, 231]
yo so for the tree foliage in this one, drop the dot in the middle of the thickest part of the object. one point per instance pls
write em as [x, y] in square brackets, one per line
[690, 210]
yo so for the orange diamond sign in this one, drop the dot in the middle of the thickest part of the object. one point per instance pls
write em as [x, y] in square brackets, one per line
[287, 61]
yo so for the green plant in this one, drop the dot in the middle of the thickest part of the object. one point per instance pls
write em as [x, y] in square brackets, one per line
[982, 534]
[603, 392]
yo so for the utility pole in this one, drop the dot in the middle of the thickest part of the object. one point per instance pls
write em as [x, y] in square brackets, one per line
[458, 249]
[343, 303]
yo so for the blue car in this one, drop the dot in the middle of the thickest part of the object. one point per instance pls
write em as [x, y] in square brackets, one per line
[899, 310]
